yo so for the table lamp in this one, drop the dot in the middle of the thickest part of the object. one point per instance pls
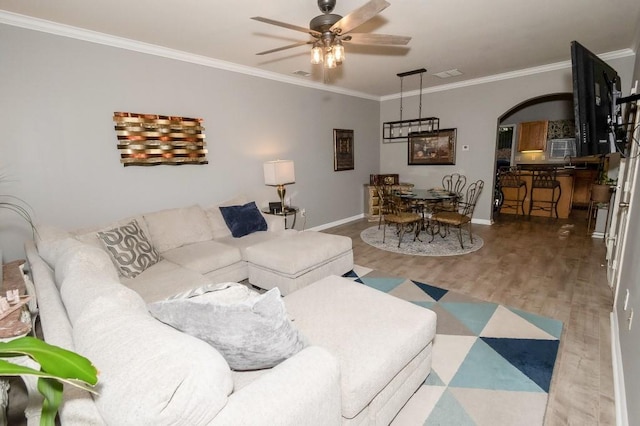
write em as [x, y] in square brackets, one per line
[279, 173]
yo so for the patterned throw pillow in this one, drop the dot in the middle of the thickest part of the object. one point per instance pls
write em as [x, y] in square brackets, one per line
[129, 249]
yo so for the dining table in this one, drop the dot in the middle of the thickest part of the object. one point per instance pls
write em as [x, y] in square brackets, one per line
[425, 200]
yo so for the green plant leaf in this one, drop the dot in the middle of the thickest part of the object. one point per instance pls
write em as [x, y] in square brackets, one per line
[9, 369]
[58, 362]
[51, 390]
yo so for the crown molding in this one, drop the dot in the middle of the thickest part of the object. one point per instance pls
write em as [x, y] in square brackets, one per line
[506, 76]
[36, 24]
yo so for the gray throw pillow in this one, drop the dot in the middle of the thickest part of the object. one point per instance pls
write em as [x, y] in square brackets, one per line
[251, 334]
[129, 249]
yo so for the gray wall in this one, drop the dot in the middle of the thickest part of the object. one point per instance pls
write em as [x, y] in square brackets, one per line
[58, 144]
[474, 111]
[630, 279]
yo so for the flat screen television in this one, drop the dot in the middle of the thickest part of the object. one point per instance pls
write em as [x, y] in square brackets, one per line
[596, 88]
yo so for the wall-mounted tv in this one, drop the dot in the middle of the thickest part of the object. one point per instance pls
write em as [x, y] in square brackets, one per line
[596, 87]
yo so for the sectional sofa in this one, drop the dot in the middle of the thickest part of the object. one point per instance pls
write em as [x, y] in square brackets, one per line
[178, 340]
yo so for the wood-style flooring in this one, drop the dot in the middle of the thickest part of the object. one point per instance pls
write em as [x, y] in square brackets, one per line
[545, 266]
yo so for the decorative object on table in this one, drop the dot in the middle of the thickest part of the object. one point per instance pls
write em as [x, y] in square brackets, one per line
[400, 131]
[492, 364]
[447, 246]
[57, 366]
[330, 31]
[279, 173]
[151, 139]
[432, 148]
[388, 179]
[343, 158]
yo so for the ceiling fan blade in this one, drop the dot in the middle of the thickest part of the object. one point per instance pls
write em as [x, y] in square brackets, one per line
[300, 43]
[359, 16]
[285, 25]
[365, 38]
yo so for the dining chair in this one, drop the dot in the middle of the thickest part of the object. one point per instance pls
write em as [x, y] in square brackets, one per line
[454, 183]
[461, 217]
[401, 218]
[384, 201]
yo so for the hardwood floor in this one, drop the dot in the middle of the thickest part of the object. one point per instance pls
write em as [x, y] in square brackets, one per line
[548, 267]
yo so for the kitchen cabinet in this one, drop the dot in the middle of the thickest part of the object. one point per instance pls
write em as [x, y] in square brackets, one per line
[532, 135]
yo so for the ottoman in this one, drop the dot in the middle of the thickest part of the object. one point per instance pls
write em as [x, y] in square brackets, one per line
[298, 260]
[383, 344]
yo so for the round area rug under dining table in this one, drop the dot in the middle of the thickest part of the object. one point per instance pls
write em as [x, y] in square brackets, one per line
[447, 246]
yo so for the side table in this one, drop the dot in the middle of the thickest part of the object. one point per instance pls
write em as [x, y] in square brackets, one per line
[288, 211]
[18, 324]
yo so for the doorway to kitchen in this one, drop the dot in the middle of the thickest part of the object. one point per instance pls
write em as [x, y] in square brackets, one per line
[553, 107]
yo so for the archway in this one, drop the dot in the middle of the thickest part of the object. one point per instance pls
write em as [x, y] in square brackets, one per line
[550, 107]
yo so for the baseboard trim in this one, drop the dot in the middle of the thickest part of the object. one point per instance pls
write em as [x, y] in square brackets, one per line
[618, 375]
[336, 223]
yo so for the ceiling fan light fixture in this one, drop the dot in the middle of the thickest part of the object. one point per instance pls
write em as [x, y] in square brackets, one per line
[316, 54]
[330, 59]
[338, 51]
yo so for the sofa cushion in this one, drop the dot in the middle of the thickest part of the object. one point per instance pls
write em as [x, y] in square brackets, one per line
[173, 228]
[204, 257]
[216, 221]
[256, 238]
[243, 220]
[169, 377]
[252, 333]
[164, 279]
[89, 235]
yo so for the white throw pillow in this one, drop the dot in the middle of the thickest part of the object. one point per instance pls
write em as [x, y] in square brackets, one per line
[251, 334]
[176, 227]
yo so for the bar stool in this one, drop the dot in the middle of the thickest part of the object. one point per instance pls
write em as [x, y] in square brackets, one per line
[511, 178]
[545, 191]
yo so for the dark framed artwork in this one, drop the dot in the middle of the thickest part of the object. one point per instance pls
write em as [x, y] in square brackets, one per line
[343, 150]
[428, 148]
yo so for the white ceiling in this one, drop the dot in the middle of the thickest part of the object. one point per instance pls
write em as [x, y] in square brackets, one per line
[480, 38]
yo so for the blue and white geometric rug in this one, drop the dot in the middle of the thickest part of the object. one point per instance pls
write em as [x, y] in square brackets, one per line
[492, 365]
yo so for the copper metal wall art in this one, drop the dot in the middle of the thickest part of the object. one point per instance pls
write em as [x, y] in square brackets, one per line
[149, 139]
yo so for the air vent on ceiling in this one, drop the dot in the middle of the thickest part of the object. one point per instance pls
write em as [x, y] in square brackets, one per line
[451, 73]
[302, 73]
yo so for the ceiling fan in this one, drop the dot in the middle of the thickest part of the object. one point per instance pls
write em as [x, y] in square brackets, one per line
[329, 31]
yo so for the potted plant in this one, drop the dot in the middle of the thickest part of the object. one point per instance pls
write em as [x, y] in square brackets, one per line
[602, 188]
[57, 366]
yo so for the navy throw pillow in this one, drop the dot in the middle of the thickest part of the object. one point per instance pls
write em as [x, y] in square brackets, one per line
[243, 220]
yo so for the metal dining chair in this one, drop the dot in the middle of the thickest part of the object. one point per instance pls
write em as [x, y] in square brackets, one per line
[445, 219]
[453, 183]
[403, 220]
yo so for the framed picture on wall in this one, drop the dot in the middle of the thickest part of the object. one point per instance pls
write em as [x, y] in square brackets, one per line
[343, 150]
[429, 148]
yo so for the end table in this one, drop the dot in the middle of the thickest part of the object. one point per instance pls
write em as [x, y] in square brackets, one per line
[288, 211]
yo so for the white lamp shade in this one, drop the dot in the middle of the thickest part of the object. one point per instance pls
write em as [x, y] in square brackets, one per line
[279, 172]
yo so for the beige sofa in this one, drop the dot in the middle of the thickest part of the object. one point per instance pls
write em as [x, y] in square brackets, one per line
[366, 352]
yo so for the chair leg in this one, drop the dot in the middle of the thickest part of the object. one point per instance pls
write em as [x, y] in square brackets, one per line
[460, 236]
[384, 232]
[402, 230]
